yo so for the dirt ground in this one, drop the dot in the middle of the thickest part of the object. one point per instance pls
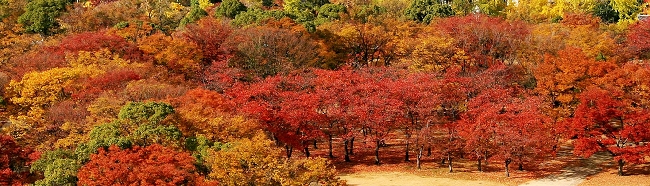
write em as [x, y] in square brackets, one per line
[398, 178]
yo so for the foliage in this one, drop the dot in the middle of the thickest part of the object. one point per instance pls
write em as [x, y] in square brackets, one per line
[255, 161]
[268, 51]
[605, 12]
[152, 165]
[257, 16]
[229, 9]
[426, 10]
[139, 113]
[638, 39]
[196, 12]
[59, 167]
[14, 160]
[40, 16]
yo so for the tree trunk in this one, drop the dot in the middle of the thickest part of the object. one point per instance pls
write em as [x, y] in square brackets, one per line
[406, 156]
[429, 151]
[480, 169]
[352, 146]
[289, 150]
[507, 169]
[307, 151]
[620, 167]
[451, 168]
[347, 152]
[329, 143]
[486, 158]
[315, 147]
[443, 161]
[377, 152]
[419, 157]
[521, 166]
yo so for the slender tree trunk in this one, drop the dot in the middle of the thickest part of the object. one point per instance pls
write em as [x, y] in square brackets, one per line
[347, 152]
[521, 166]
[480, 169]
[329, 143]
[429, 151]
[443, 161]
[620, 167]
[305, 145]
[315, 147]
[289, 150]
[508, 169]
[419, 157]
[406, 156]
[377, 152]
[352, 146]
[485, 157]
[451, 168]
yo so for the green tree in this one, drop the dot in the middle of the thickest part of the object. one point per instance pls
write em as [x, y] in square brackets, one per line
[196, 13]
[229, 9]
[151, 112]
[425, 10]
[329, 12]
[255, 15]
[59, 167]
[627, 9]
[363, 12]
[304, 11]
[40, 16]
[604, 10]
[148, 134]
[102, 136]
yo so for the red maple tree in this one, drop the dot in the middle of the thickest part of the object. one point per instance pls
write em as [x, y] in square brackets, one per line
[151, 165]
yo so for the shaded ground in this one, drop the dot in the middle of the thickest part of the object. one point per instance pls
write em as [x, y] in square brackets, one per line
[634, 175]
[575, 172]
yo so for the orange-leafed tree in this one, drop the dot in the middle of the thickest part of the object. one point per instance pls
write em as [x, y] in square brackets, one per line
[210, 114]
[560, 78]
[151, 165]
[177, 55]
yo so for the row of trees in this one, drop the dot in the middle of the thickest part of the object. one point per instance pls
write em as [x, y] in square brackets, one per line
[241, 84]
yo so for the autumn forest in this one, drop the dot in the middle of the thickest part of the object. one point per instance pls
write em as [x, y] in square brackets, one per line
[286, 92]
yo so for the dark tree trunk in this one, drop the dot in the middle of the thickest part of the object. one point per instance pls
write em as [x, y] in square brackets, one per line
[480, 169]
[507, 167]
[315, 147]
[419, 157]
[289, 150]
[347, 152]
[307, 152]
[428, 151]
[329, 143]
[620, 167]
[521, 166]
[406, 156]
[408, 139]
[451, 168]
[352, 146]
[443, 161]
[377, 152]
